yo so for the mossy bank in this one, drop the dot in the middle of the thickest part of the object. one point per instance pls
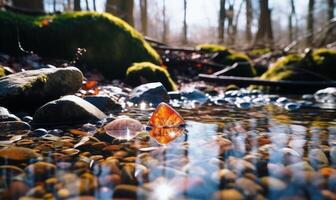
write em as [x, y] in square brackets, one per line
[111, 44]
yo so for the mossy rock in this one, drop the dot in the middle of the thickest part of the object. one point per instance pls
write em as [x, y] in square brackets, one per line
[2, 71]
[260, 52]
[225, 56]
[111, 44]
[317, 65]
[146, 72]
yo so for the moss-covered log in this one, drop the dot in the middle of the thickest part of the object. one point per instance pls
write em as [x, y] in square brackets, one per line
[111, 44]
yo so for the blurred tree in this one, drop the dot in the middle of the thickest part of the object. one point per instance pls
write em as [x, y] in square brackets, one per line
[94, 5]
[144, 16]
[54, 5]
[292, 32]
[264, 37]
[221, 22]
[34, 5]
[331, 7]
[310, 23]
[122, 9]
[164, 22]
[185, 28]
[77, 5]
[249, 19]
[230, 15]
[87, 5]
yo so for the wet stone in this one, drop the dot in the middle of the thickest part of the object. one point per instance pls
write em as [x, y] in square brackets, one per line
[67, 110]
[104, 103]
[14, 126]
[17, 155]
[125, 191]
[228, 194]
[39, 132]
[5, 115]
[40, 171]
[150, 93]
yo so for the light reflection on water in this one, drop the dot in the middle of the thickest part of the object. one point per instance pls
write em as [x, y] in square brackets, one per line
[266, 142]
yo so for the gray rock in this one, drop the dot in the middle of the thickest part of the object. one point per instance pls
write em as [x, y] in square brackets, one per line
[13, 126]
[153, 93]
[36, 87]
[67, 110]
[327, 95]
[194, 95]
[5, 115]
[104, 103]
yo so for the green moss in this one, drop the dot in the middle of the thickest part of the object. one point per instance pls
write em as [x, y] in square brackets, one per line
[111, 44]
[319, 65]
[146, 72]
[2, 72]
[260, 52]
[211, 48]
[227, 56]
[39, 82]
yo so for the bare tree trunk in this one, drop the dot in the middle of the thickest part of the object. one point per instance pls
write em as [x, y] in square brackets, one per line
[292, 32]
[230, 15]
[221, 22]
[54, 5]
[310, 23]
[331, 6]
[235, 23]
[249, 19]
[264, 37]
[94, 5]
[122, 9]
[164, 22]
[143, 12]
[87, 5]
[34, 5]
[77, 6]
[185, 28]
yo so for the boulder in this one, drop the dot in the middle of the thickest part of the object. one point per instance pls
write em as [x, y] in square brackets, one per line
[151, 93]
[104, 103]
[66, 111]
[35, 87]
[110, 47]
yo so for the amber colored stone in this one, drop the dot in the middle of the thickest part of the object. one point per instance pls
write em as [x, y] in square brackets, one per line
[165, 116]
[89, 85]
[166, 135]
[78, 132]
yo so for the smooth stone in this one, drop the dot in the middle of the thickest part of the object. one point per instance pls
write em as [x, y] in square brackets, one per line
[39, 86]
[5, 115]
[67, 110]
[175, 95]
[104, 103]
[194, 95]
[300, 166]
[228, 194]
[150, 93]
[327, 95]
[39, 132]
[248, 187]
[17, 154]
[13, 126]
[273, 184]
[27, 119]
[40, 171]
[131, 173]
[317, 158]
[16, 190]
[124, 191]
[292, 106]
[240, 166]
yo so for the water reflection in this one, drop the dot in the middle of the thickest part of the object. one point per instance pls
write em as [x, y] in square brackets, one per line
[166, 135]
